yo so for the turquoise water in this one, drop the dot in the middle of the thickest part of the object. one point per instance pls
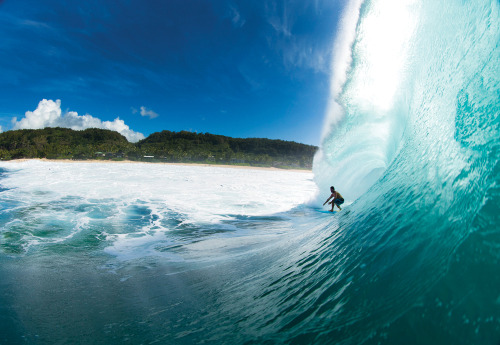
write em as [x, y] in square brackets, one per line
[424, 233]
[411, 140]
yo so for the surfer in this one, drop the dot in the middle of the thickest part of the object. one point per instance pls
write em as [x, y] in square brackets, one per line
[337, 199]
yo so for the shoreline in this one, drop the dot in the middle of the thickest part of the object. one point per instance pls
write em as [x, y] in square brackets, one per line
[21, 160]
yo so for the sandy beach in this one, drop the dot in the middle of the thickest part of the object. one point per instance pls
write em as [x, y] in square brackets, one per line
[164, 163]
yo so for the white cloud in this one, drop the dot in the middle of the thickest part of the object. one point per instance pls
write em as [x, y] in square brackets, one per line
[280, 19]
[49, 114]
[306, 54]
[147, 112]
[299, 48]
[236, 18]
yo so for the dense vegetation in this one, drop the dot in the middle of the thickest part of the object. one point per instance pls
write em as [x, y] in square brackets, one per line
[165, 146]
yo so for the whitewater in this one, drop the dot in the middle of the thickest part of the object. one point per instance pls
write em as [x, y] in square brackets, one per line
[117, 253]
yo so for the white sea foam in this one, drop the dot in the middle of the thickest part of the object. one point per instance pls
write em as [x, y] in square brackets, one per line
[137, 204]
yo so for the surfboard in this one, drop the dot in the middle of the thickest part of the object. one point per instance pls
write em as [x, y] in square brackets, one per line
[326, 211]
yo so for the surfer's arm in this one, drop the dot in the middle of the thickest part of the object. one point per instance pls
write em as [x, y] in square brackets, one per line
[327, 200]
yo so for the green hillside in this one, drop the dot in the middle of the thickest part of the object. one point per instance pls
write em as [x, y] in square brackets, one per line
[165, 146]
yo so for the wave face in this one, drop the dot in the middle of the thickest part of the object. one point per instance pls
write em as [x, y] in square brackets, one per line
[412, 138]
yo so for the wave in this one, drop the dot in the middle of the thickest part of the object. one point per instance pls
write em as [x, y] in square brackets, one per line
[411, 140]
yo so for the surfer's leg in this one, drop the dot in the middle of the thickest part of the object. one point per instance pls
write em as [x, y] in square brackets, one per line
[337, 202]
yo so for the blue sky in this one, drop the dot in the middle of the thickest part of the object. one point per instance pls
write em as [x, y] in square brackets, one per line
[236, 68]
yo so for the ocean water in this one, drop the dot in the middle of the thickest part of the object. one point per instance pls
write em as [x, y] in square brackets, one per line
[136, 253]
[142, 254]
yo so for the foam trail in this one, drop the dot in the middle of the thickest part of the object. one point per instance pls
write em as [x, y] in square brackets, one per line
[133, 205]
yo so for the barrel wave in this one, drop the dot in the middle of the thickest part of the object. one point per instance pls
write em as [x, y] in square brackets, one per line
[412, 137]
[140, 254]
[412, 141]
